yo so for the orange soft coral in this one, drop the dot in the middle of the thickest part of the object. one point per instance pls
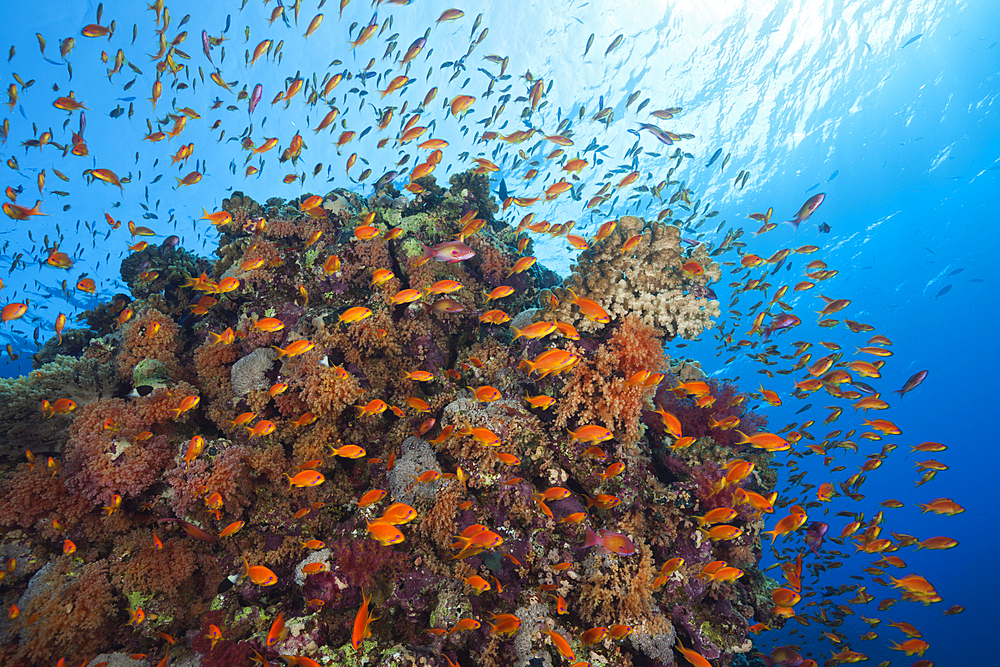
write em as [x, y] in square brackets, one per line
[597, 391]
[139, 343]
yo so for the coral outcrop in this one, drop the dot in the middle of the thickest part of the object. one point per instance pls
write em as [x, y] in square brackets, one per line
[236, 448]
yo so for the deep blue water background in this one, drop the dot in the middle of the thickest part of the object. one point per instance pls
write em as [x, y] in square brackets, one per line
[796, 91]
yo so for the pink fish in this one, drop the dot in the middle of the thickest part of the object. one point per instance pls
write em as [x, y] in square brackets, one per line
[449, 251]
[608, 541]
[814, 535]
[444, 306]
[258, 92]
[807, 209]
[782, 321]
[206, 46]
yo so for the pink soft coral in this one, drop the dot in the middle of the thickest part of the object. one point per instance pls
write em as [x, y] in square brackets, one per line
[103, 458]
[698, 422]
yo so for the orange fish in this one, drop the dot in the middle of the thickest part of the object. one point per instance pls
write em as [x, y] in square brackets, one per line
[261, 428]
[693, 657]
[258, 574]
[269, 324]
[362, 623]
[911, 646]
[188, 403]
[348, 451]
[305, 478]
[590, 308]
[565, 650]
[232, 528]
[295, 349]
[314, 568]
[276, 631]
[522, 265]
[787, 525]
[590, 433]
[384, 533]
[313, 544]
[371, 497]
[374, 407]
[305, 419]
[355, 314]
[214, 634]
[398, 514]
[13, 311]
[477, 583]
[766, 441]
[506, 624]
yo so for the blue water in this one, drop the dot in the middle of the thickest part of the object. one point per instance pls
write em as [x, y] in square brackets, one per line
[887, 107]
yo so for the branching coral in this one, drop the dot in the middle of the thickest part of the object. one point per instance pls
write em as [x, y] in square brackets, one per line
[647, 281]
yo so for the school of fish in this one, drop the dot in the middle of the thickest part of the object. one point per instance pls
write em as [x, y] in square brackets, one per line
[330, 424]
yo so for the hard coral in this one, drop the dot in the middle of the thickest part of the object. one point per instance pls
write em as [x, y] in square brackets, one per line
[647, 281]
[22, 424]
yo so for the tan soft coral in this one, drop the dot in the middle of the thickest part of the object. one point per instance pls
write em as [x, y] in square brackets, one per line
[647, 281]
[75, 607]
[596, 389]
[214, 367]
[321, 386]
[616, 589]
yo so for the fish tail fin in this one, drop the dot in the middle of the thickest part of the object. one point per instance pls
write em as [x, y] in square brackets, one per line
[426, 257]
[743, 437]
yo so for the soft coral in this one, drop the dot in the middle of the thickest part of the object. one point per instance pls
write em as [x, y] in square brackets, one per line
[697, 421]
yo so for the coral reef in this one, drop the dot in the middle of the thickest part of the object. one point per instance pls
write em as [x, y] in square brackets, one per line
[263, 427]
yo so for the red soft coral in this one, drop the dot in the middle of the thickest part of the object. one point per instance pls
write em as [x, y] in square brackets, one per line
[102, 457]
